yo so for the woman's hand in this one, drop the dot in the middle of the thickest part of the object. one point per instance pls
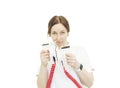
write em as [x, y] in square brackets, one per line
[72, 61]
[45, 57]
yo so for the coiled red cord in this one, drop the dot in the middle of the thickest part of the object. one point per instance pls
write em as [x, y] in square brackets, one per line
[66, 73]
[51, 76]
[72, 79]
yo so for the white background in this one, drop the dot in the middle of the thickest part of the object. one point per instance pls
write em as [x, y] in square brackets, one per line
[94, 24]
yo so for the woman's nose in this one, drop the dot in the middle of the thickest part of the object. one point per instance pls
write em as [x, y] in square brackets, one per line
[58, 37]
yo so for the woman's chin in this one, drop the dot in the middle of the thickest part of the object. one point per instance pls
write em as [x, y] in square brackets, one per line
[59, 44]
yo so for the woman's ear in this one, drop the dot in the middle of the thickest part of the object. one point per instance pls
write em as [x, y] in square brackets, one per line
[49, 35]
[68, 34]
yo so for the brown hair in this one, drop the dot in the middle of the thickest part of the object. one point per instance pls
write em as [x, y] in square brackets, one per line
[56, 20]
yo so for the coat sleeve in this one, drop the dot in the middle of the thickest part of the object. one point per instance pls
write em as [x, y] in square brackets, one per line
[82, 57]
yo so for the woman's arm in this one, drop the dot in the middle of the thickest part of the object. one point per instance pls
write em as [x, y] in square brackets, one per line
[43, 74]
[42, 77]
[86, 77]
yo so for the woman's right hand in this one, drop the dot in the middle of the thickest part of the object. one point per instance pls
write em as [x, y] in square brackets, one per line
[45, 57]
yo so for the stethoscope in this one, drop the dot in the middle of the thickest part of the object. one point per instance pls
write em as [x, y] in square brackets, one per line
[49, 81]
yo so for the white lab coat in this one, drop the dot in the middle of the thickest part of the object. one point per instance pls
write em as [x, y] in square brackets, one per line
[60, 80]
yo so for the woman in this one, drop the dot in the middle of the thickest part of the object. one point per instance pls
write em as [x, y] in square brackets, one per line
[70, 65]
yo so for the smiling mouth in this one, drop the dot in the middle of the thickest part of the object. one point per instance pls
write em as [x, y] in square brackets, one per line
[59, 43]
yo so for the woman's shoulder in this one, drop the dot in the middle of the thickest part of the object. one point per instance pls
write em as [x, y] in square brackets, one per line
[76, 46]
[79, 48]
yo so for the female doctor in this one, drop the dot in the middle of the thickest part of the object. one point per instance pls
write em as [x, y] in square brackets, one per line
[61, 66]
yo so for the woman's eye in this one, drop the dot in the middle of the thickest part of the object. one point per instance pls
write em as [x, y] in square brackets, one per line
[62, 32]
[53, 33]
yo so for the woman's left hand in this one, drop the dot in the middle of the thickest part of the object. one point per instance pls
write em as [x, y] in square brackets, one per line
[72, 61]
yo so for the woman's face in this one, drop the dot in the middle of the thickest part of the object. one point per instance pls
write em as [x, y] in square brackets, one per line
[59, 34]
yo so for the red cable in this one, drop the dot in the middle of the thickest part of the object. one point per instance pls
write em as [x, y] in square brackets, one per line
[66, 73]
[71, 78]
[51, 76]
